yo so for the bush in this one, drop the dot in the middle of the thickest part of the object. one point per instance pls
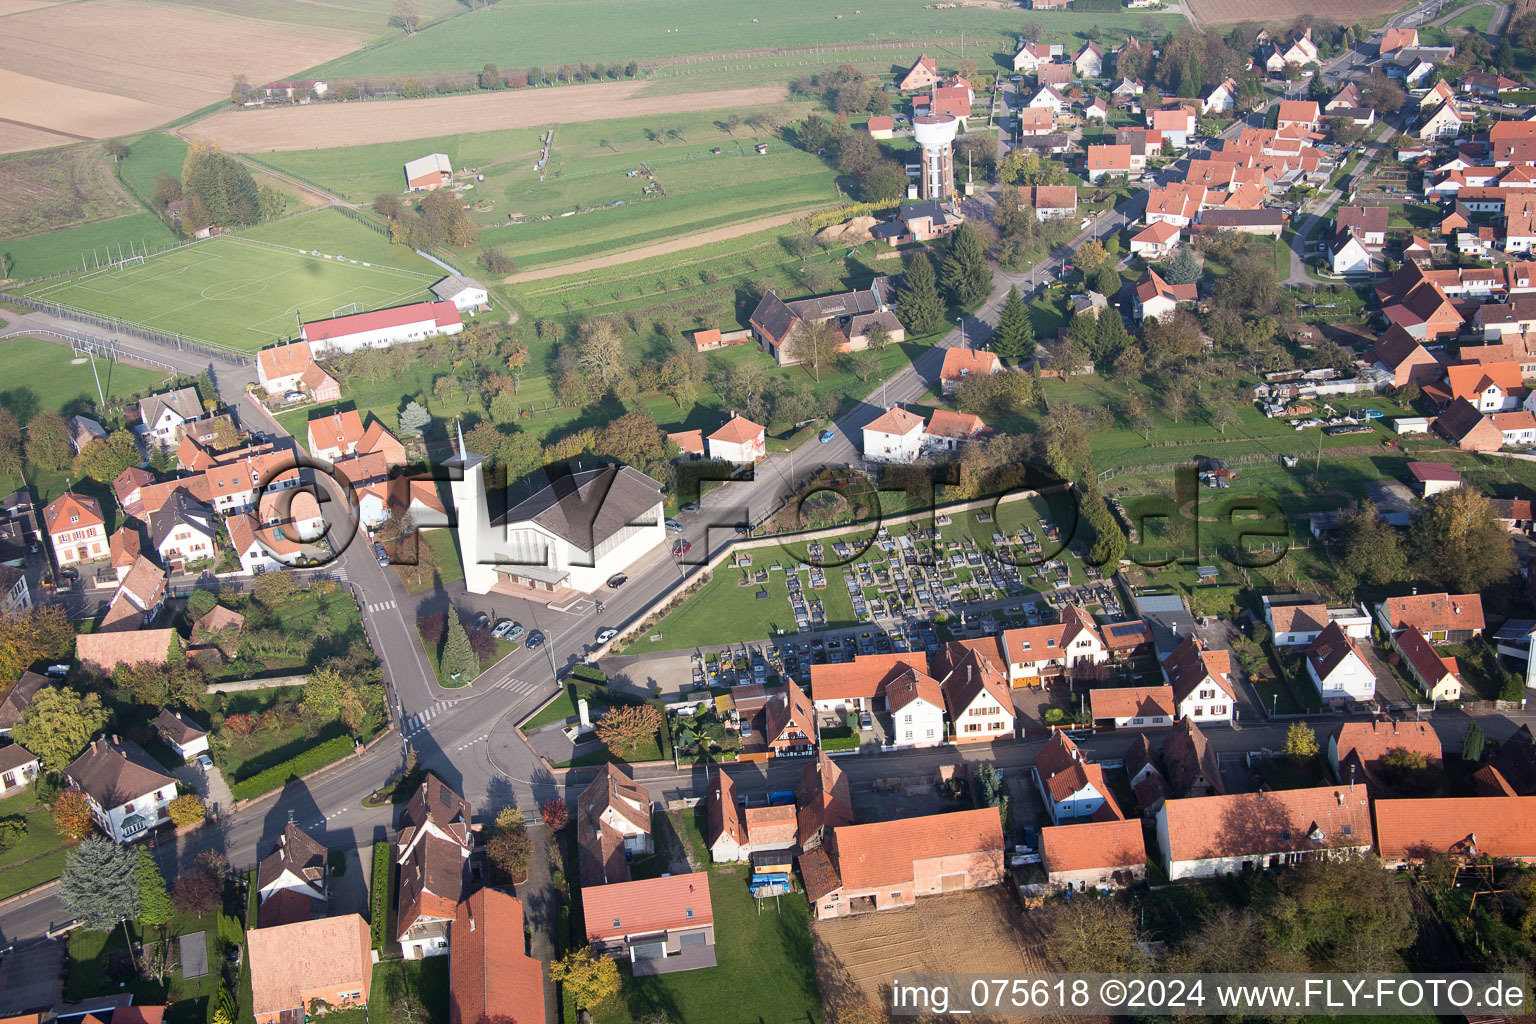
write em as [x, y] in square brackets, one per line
[315, 757]
[187, 809]
[13, 829]
[591, 674]
[380, 892]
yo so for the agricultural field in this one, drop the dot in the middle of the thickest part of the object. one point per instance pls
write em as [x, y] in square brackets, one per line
[58, 188]
[110, 67]
[984, 930]
[149, 155]
[1227, 12]
[232, 291]
[277, 129]
[363, 18]
[551, 32]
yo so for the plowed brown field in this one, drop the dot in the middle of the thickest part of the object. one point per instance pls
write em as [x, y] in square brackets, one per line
[110, 67]
[981, 932]
[319, 125]
[1226, 12]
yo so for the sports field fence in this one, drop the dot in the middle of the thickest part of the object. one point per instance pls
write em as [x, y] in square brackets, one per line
[179, 342]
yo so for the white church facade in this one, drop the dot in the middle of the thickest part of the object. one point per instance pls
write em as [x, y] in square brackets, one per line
[574, 534]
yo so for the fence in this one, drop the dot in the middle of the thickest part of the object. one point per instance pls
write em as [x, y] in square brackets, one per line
[176, 341]
[363, 219]
[289, 174]
[81, 343]
[141, 252]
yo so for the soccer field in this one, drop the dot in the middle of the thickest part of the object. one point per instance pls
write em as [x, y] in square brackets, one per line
[236, 292]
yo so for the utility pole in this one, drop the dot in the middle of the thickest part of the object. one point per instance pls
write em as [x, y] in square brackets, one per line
[91, 351]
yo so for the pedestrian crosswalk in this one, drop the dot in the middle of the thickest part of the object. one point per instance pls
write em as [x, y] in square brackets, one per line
[515, 685]
[417, 722]
[382, 606]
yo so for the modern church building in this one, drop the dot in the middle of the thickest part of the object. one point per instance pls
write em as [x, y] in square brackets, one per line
[573, 535]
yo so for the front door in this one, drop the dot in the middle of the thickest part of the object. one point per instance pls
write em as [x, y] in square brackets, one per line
[80, 553]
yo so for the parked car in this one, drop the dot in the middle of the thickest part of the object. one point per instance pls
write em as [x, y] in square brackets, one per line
[617, 580]
[742, 529]
[380, 554]
[681, 548]
[674, 526]
[866, 721]
[606, 635]
[535, 639]
[502, 628]
[205, 762]
[481, 621]
[825, 436]
[689, 508]
[294, 396]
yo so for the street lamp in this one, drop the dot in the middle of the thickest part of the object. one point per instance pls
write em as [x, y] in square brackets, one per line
[961, 321]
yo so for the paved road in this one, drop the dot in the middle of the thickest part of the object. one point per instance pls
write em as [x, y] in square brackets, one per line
[1316, 211]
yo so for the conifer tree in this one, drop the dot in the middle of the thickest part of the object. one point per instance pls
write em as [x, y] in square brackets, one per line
[918, 303]
[1015, 334]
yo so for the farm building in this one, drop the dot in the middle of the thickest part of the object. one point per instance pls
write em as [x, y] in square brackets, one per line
[382, 327]
[467, 294]
[428, 172]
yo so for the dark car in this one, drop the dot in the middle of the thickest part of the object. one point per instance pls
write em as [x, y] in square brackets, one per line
[617, 580]
[481, 621]
[682, 547]
[380, 554]
[742, 529]
[534, 639]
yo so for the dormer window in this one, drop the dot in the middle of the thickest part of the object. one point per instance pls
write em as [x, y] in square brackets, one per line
[615, 922]
[688, 913]
[74, 519]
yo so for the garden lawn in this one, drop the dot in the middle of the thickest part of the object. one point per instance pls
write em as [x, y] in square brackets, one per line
[41, 376]
[765, 971]
[39, 857]
[428, 978]
[434, 657]
[149, 155]
[233, 292]
[99, 961]
[384, 398]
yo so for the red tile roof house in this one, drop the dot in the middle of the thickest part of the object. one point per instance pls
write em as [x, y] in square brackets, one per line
[737, 831]
[891, 863]
[1292, 625]
[739, 440]
[1101, 854]
[293, 881]
[1201, 681]
[432, 851]
[790, 722]
[105, 651]
[1444, 618]
[1466, 428]
[1207, 836]
[860, 685]
[978, 701]
[285, 368]
[1439, 677]
[1501, 828]
[1190, 762]
[1132, 707]
[1036, 654]
[961, 364]
[824, 802]
[76, 528]
[923, 73]
[1102, 160]
[1156, 297]
[293, 966]
[1356, 749]
[662, 925]
[915, 701]
[490, 976]
[1072, 787]
[613, 820]
[127, 790]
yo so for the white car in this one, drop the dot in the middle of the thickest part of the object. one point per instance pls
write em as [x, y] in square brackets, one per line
[606, 635]
[293, 396]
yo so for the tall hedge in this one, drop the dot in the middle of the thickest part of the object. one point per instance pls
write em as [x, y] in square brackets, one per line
[315, 757]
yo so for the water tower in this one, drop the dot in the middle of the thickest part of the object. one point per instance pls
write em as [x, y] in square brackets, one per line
[935, 135]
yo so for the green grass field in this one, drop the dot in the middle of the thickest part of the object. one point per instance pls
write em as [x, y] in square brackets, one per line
[231, 291]
[59, 252]
[551, 32]
[368, 18]
[41, 376]
[149, 155]
[591, 203]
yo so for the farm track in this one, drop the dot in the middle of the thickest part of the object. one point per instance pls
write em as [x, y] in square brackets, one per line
[645, 252]
[318, 125]
[1227, 12]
